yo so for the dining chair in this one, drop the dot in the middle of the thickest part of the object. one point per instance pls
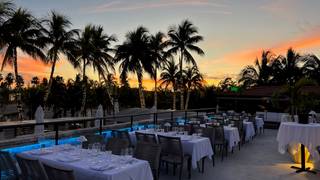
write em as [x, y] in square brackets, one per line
[93, 138]
[149, 152]
[123, 135]
[261, 130]
[116, 145]
[55, 173]
[31, 169]
[239, 125]
[220, 141]
[252, 119]
[172, 153]
[209, 132]
[8, 167]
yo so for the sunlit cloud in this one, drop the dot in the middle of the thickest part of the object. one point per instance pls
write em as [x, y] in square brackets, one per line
[231, 63]
[119, 5]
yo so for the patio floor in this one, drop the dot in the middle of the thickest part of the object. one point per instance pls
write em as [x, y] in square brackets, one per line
[257, 160]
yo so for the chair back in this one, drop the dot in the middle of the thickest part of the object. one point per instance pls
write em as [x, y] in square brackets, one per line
[171, 146]
[123, 135]
[55, 173]
[149, 152]
[31, 168]
[116, 145]
[209, 132]
[144, 137]
[8, 166]
[219, 133]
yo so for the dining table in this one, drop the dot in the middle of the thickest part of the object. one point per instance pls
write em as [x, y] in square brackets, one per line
[195, 146]
[259, 124]
[231, 134]
[91, 163]
[249, 130]
[308, 135]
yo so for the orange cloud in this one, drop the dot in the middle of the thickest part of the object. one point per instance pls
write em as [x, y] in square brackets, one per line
[230, 64]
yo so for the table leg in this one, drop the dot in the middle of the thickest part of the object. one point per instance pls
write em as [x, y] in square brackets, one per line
[303, 163]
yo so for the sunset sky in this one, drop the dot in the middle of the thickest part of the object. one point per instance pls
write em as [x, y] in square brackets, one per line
[235, 32]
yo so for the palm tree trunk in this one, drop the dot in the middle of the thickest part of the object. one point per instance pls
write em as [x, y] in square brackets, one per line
[181, 83]
[48, 90]
[187, 100]
[84, 93]
[18, 87]
[141, 94]
[108, 91]
[155, 104]
[174, 100]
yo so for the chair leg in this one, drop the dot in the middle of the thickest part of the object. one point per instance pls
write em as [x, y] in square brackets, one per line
[174, 169]
[212, 160]
[180, 172]
[189, 168]
[239, 144]
[226, 149]
[167, 168]
[203, 164]
[221, 152]
[198, 165]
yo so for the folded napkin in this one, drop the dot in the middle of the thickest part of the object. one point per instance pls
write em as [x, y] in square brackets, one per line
[102, 167]
[66, 158]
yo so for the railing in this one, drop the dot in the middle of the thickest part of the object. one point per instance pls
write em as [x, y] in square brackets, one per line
[115, 119]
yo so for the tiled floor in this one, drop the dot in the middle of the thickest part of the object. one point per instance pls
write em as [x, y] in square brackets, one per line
[257, 160]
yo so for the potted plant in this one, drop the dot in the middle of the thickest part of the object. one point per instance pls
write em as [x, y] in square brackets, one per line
[301, 102]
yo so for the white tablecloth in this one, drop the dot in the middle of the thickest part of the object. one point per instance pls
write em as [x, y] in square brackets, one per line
[232, 135]
[82, 171]
[249, 130]
[306, 134]
[259, 123]
[196, 147]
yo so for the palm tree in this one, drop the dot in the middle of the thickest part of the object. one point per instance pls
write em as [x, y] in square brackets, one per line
[311, 68]
[183, 40]
[157, 46]
[103, 61]
[193, 79]
[6, 9]
[287, 68]
[169, 77]
[259, 75]
[61, 42]
[134, 57]
[92, 50]
[21, 31]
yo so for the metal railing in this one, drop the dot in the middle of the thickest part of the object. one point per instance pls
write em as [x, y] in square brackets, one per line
[116, 120]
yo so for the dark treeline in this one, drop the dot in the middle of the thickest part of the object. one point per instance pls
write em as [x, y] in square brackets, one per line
[66, 95]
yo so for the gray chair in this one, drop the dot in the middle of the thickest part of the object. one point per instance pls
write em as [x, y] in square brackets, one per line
[172, 153]
[220, 141]
[55, 173]
[116, 145]
[149, 152]
[123, 135]
[31, 169]
[8, 167]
